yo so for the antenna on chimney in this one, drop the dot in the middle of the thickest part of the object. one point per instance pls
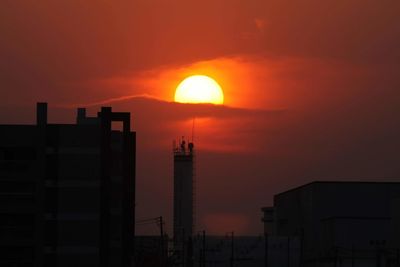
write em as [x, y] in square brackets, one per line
[194, 118]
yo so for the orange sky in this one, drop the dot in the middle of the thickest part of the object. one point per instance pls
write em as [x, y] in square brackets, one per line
[311, 89]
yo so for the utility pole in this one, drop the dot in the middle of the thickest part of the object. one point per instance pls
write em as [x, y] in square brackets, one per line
[162, 241]
[301, 247]
[266, 249]
[183, 248]
[204, 250]
[232, 248]
[352, 255]
[288, 251]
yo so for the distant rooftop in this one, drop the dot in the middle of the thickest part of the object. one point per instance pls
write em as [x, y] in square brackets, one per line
[183, 149]
[337, 183]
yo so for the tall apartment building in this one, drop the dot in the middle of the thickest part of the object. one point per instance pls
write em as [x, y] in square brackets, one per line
[67, 191]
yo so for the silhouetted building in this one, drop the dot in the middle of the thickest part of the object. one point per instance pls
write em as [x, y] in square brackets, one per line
[338, 223]
[151, 251]
[268, 220]
[228, 250]
[279, 250]
[67, 191]
[183, 194]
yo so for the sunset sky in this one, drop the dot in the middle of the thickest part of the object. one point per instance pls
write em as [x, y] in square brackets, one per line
[311, 88]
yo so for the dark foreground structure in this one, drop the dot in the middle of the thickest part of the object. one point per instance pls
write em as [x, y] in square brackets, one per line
[67, 191]
[335, 224]
[184, 204]
[151, 251]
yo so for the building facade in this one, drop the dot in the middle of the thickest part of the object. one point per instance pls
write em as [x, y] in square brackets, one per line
[339, 223]
[68, 191]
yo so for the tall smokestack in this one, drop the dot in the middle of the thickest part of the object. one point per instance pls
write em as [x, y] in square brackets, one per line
[184, 205]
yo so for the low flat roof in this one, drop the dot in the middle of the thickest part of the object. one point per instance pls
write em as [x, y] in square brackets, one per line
[337, 182]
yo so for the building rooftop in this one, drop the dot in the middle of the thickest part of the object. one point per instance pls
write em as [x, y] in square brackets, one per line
[336, 183]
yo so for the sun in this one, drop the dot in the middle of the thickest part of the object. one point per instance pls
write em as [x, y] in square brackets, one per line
[199, 89]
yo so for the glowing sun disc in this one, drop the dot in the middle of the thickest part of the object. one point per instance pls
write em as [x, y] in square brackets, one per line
[199, 89]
